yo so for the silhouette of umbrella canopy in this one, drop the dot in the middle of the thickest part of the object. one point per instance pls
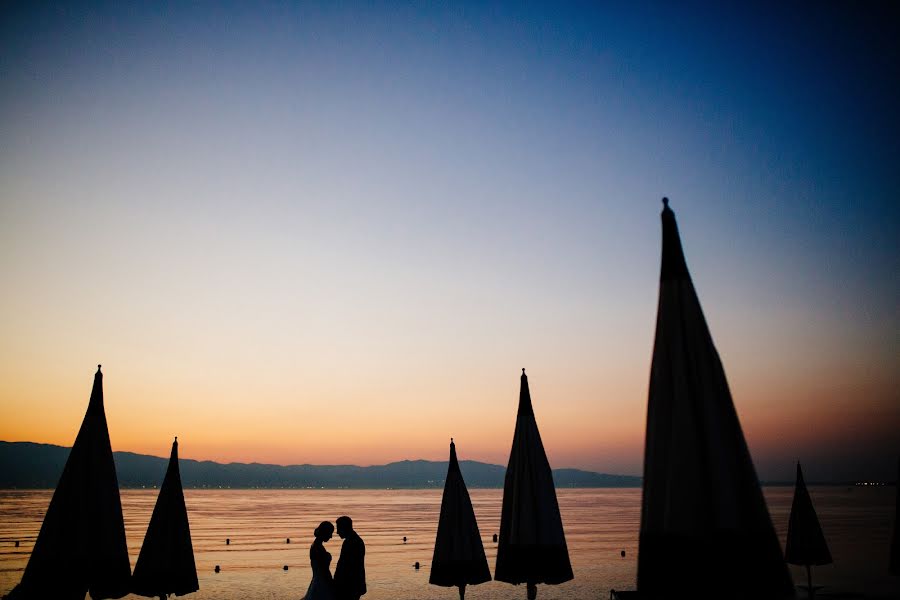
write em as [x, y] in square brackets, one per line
[704, 522]
[805, 541]
[895, 542]
[532, 545]
[166, 562]
[459, 558]
[81, 546]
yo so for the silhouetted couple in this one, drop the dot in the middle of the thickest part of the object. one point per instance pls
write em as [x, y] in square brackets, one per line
[349, 581]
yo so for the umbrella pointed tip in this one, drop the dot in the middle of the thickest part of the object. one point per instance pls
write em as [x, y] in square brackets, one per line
[523, 370]
[98, 368]
[665, 202]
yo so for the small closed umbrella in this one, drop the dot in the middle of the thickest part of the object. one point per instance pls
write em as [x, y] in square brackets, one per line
[705, 528]
[81, 546]
[532, 545]
[166, 562]
[806, 544]
[459, 558]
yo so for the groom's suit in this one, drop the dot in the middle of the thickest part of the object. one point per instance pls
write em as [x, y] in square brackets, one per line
[350, 572]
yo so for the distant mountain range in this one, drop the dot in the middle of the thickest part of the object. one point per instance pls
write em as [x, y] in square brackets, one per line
[26, 465]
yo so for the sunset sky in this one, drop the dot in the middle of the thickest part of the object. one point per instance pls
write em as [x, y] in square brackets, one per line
[305, 233]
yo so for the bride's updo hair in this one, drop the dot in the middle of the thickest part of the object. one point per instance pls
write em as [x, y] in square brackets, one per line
[324, 529]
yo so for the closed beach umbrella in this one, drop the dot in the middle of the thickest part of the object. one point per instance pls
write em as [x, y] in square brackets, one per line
[81, 546]
[705, 528]
[805, 542]
[166, 562]
[459, 558]
[532, 546]
[895, 541]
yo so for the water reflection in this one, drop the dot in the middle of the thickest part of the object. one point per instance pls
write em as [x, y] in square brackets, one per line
[599, 525]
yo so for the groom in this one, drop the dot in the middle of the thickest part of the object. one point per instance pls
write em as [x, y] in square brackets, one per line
[350, 572]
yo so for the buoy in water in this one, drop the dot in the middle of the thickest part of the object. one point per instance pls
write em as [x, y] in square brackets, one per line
[218, 568]
[288, 541]
[404, 539]
[227, 541]
[623, 554]
[417, 565]
[285, 567]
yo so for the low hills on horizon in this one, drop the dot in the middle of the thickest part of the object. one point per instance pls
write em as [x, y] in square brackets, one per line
[28, 465]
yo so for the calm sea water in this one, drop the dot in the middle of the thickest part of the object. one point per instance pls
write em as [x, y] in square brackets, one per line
[599, 523]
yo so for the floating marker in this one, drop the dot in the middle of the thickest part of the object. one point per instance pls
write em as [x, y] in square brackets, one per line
[227, 541]
[285, 567]
[404, 539]
[288, 541]
[218, 568]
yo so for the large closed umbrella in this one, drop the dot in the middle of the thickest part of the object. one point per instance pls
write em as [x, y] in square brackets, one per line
[166, 562]
[705, 528]
[459, 558]
[532, 546]
[81, 546]
[806, 544]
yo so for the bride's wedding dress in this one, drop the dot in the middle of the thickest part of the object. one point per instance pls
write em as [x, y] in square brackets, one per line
[322, 585]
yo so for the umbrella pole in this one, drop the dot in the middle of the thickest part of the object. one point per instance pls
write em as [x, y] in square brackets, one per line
[462, 591]
[812, 593]
[532, 590]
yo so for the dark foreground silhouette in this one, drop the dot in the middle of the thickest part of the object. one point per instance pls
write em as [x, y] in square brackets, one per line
[705, 528]
[806, 544]
[322, 585]
[459, 558]
[349, 580]
[350, 572]
[166, 562]
[532, 545]
[81, 546]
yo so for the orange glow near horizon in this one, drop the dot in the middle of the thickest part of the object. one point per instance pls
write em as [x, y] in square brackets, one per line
[381, 415]
[332, 430]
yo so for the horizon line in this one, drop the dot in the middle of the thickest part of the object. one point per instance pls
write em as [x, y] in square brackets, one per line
[265, 464]
[764, 482]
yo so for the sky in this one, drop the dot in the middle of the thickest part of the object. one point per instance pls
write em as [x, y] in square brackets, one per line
[335, 233]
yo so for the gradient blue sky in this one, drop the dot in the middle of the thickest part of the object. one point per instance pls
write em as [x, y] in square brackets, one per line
[302, 232]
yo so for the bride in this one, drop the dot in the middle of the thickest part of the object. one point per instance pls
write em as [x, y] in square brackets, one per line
[322, 585]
